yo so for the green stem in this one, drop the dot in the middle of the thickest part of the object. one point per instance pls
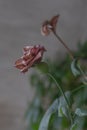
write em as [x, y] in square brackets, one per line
[77, 89]
[60, 88]
[64, 44]
[62, 92]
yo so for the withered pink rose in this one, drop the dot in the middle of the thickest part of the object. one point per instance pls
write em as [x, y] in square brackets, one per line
[49, 25]
[31, 55]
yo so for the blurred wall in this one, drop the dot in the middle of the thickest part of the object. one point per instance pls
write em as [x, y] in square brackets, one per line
[20, 22]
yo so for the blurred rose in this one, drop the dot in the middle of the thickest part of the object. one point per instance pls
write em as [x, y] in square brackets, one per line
[31, 55]
[49, 26]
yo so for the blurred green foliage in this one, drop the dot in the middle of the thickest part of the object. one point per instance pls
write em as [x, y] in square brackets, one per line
[46, 92]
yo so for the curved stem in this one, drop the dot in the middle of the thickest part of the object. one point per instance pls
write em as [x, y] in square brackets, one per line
[83, 74]
[64, 44]
[60, 88]
[62, 92]
[69, 51]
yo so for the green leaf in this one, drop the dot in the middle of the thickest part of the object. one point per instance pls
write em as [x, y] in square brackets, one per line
[45, 121]
[80, 112]
[62, 106]
[75, 67]
[84, 79]
[74, 126]
[43, 67]
[60, 112]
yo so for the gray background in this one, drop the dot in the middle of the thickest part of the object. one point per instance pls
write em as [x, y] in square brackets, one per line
[20, 22]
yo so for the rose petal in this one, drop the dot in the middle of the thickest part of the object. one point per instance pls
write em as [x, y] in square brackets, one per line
[53, 21]
[20, 64]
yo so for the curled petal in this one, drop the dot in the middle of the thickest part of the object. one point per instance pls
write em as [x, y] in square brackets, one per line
[20, 64]
[45, 28]
[27, 57]
[35, 50]
[27, 48]
[25, 69]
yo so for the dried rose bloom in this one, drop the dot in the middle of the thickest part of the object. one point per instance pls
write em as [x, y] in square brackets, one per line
[49, 26]
[31, 55]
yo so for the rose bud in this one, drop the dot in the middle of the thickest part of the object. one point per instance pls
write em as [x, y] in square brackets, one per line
[32, 55]
[49, 26]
